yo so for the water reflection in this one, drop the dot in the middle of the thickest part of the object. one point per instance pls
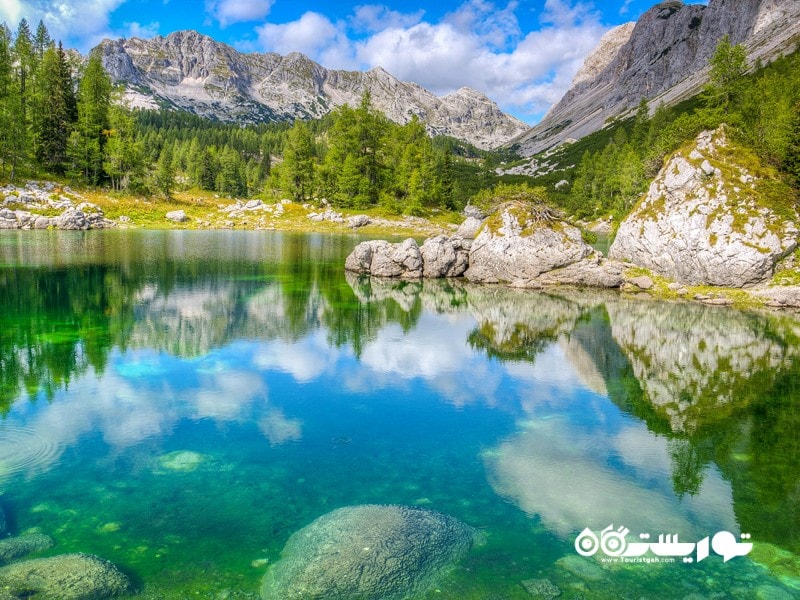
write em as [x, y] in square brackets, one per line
[673, 417]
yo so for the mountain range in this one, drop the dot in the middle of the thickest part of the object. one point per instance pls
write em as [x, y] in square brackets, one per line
[664, 58]
[190, 71]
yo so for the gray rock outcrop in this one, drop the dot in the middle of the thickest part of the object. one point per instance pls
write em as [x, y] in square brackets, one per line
[444, 257]
[177, 216]
[664, 58]
[65, 577]
[21, 207]
[705, 220]
[514, 248]
[192, 72]
[384, 259]
[367, 552]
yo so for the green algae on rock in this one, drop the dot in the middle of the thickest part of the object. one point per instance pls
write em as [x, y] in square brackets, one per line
[64, 577]
[366, 552]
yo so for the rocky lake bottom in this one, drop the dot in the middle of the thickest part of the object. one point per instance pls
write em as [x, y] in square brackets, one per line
[225, 414]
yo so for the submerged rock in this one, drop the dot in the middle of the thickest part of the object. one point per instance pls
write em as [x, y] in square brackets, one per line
[713, 216]
[365, 553]
[64, 577]
[181, 460]
[15, 547]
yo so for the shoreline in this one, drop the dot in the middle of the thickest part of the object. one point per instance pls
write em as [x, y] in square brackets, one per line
[93, 210]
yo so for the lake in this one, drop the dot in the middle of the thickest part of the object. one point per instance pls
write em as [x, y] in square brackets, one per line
[180, 403]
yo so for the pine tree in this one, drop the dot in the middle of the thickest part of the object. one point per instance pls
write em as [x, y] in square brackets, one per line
[728, 66]
[298, 166]
[124, 155]
[94, 100]
[6, 89]
[57, 109]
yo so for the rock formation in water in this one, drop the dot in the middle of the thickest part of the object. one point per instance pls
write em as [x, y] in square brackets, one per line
[367, 552]
[192, 72]
[664, 58]
[64, 577]
[519, 244]
[713, 216]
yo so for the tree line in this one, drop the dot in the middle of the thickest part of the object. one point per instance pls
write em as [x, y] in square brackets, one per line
[60, 115]
[762, 110]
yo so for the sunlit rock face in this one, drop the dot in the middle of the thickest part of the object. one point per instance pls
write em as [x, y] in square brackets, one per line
[698, 365]
[710, 217]
[662, 57]
[193, 72]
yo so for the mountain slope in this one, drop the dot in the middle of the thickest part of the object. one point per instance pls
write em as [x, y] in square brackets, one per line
[192, 72]
[664, 58]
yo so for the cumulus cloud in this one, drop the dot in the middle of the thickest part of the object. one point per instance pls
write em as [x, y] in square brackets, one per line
[314, 35]
[78, 23]
[135, 29]
[372, 18]
[228, 12]
[479, 45]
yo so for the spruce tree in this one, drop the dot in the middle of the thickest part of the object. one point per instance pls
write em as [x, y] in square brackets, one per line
[57, 109]
[94, 101]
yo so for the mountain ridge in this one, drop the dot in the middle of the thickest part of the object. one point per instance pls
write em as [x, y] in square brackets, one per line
[190, 71]
[662, 57]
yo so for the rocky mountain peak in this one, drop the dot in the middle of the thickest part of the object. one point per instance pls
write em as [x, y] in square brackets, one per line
[663, 57]
[190, 71]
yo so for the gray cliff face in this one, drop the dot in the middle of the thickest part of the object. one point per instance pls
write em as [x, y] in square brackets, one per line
[705, 220]
[663, 58]
[192, 72]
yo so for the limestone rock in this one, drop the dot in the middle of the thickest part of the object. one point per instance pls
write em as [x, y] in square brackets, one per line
[177, 216]
[384, 259]
[702, 224]
[643, 282]
[65, 577]
[512, 247]
[15, 547]
[593, 271]
[367, 552]
[71, 219]
[664, 58]
[469, 228]
[444, 257]
[357, 221]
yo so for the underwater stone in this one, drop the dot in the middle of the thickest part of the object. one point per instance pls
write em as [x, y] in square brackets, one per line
[64, 577]
[181, 460]
[14, 547]
[585, 569]
[541, 588]
[367, 552]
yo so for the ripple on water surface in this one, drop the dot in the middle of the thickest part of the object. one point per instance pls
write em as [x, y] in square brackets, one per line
[23, 450]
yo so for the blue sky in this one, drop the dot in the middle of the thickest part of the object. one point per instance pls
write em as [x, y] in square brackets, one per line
[521, 53]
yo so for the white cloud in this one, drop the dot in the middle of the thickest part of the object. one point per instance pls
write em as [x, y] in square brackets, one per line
[479, 45]
[138, 30]
[10, 11]
[78, 23]
[374, 17]
[228, 12]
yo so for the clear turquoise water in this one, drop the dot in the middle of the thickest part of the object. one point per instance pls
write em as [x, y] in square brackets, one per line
[181, 402]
